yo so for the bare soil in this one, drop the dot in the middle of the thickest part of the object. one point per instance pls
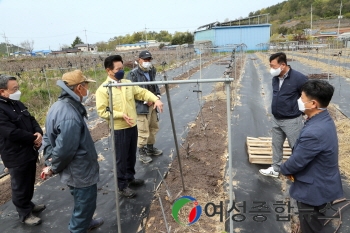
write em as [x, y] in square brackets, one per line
[203, 157]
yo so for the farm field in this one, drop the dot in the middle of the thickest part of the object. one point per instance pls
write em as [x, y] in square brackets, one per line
[202, 132]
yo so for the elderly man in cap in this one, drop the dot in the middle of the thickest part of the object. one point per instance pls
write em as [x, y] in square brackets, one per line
[147, 119]
[124, 113]
[20, 139]
[70, 150]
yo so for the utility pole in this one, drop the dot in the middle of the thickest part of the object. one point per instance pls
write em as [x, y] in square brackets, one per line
[311, 22]
[340, 16]
[311, 27]
[6, 42]
[86, 41]
[146, 35]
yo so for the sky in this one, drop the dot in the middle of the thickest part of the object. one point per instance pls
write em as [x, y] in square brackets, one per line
[53, 23]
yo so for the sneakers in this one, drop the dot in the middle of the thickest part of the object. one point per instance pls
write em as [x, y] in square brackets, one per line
[269, 172]
[38, 208]
[143, 155]
[95, 223]
[136, 182]
[32, 220]
[127, 192]
[152, 150]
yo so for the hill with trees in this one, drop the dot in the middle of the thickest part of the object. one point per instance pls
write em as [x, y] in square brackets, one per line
[299, 11]
[11, 48]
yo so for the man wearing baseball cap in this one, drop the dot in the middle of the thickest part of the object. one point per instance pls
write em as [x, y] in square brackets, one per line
[147, 120]
[70, 151]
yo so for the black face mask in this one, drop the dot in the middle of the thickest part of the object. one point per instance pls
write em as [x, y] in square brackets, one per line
[119, 75]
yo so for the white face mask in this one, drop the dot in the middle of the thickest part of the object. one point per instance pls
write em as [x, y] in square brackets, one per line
[86, 96]
[301, 105]
[147, 65]
[275, 72]
[302, 108]
[16, 95]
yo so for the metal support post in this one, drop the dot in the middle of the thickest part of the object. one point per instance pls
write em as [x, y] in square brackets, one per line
[200, 72]
[329, 50]
[174, 131]
[227, 81]
[111, 120]
[228, 112]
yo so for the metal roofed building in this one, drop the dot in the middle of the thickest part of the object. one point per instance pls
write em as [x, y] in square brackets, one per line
[250, 31]
[140, 45]
[86, 47]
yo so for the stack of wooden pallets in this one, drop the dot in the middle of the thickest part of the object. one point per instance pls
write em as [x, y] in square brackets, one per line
[260, 150]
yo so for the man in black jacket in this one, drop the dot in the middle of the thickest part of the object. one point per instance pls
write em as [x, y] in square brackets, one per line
[20, 139]
[287, 120]
[147, 120]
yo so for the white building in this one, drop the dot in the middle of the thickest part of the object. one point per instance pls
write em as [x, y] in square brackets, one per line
[140, 45]
[86, 47]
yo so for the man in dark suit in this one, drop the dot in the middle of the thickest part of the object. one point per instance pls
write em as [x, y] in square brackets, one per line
[313, 165]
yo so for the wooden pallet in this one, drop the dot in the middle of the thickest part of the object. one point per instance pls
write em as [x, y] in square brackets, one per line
[260, 150]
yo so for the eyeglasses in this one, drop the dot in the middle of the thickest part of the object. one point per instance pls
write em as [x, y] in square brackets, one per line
[147, 59]
[14, 89]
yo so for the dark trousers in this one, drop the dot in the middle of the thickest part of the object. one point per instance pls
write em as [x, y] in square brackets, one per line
[125, 151]
[22, 185]
[84, 208]
[309, 218]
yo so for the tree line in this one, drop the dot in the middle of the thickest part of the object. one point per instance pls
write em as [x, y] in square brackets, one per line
[177, 38]
[301, 10]
[294, 9]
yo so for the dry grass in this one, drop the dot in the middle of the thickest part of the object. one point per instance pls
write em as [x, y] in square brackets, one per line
[333, 69]
[264, 59]
[341, 71]
[343, 128]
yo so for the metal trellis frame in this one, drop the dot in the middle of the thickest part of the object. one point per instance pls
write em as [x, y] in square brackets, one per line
[227, 82]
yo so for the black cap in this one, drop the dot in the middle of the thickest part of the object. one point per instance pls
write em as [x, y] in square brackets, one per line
[145, 54]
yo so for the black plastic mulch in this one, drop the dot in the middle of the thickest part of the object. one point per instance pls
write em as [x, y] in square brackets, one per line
[252, 118]
[59, 201]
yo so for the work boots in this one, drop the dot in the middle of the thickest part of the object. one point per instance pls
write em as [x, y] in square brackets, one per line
[151, 150]
[32, 220]
[38, 208]
[143, 155]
